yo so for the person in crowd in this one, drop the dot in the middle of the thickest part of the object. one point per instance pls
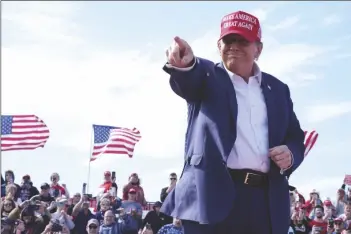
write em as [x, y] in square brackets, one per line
[173, 228]
[11, 191]
[134, 182]
[132, 207]
[329, 208]
[105, 205]
[313, 202]
[56, 190]
[341, 198]
[319, 221]
[122, 225]
[337, 228]
[172, 183]
[27, 190]
[33, 224]
[7, 225]
[7, 205]
[10, 179]
[81, 215]
[92, 227]
[299, 222]
[346, 216]
[61, 214]
[300, 196]
[56, 227]
[74, 200]
[115, 201]
[109, 184]
[155, 218]
[45, 196]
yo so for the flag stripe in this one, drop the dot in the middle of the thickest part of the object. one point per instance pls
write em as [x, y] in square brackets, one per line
[23, 132]
[310, 141]
[114, 140]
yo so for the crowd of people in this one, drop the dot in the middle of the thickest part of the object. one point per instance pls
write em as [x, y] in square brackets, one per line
[320, 216]
[26, 209]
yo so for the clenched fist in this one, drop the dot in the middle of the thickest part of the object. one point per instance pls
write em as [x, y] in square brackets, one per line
[180, 53]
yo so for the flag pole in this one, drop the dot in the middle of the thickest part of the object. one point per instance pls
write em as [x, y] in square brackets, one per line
[91, 152]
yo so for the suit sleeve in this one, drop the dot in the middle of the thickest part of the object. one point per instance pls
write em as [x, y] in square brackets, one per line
[294, 138]
[188, 83]
[163, 194]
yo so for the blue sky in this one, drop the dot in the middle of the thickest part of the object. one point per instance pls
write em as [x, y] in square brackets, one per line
[75, 64]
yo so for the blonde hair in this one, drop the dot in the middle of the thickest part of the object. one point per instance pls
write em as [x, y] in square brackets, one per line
[8, 188]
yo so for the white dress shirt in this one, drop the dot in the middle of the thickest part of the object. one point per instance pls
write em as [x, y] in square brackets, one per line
[251, 148]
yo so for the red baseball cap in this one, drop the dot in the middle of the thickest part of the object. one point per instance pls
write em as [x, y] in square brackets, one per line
[327, 203]
[107, 173]
[243, 24]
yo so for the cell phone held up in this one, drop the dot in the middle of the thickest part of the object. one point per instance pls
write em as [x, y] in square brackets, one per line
[330, 223]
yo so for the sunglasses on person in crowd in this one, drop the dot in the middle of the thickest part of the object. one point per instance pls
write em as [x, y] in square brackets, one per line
[173, 178]
[92, 227]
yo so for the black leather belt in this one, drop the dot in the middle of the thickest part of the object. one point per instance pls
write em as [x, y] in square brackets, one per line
[249, 177]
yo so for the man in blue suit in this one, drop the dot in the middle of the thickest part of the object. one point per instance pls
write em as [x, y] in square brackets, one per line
[243, 137]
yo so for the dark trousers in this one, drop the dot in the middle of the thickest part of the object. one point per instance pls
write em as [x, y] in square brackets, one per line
[249, 215]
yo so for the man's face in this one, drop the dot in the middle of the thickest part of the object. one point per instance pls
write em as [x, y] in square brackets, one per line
[338, 226]
[319, 212]
[157, 208]
[104, 205]
[109, 217]
[86, 205]
[173, 179]
[92, 229]
[107, 177]
[44, 192]
[134, 179]
[238, 52]
[76, 198]
[54, 179]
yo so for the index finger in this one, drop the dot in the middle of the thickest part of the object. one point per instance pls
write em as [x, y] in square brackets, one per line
[180, 42]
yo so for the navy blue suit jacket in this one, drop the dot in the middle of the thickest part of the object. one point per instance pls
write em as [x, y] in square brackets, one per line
[210, 136]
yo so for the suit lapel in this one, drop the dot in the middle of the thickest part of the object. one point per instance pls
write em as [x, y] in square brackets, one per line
[271, 107]
[231, 94]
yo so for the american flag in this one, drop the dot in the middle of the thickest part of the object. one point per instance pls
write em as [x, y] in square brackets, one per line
[310, 140]
[23, 132]
[114, 140]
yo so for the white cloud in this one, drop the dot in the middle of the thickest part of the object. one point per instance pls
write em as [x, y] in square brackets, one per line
[331, 19]
[286, 23]
[323, 112]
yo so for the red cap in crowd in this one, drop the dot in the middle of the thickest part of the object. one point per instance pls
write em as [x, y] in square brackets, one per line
[107, 173]
[327, 203]
[243, 24]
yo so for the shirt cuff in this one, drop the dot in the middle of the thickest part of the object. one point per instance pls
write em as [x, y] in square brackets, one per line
[292, 163]
[180, 68]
